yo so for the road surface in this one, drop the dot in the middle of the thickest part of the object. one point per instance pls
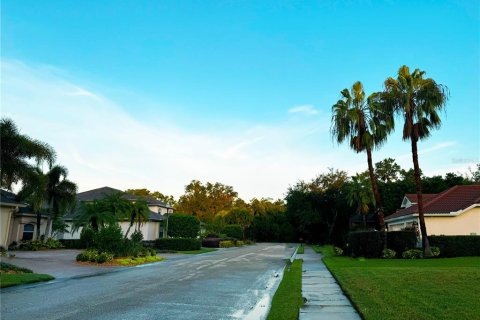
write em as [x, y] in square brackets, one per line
[235, 283]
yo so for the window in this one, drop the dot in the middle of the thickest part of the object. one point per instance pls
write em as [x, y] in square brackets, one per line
[28, 231]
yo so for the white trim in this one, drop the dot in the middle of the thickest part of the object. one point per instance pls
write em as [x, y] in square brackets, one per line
[451, 214]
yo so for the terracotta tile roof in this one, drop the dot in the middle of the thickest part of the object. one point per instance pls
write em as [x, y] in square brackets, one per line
[450, 201]
[412, 197]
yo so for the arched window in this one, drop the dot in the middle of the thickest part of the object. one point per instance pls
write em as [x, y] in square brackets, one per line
[28, 231]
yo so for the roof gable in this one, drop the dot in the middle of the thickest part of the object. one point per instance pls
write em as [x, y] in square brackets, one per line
[100, 193]
[450, 201]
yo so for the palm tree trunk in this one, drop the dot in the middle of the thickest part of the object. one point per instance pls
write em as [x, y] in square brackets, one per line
[376, 193]
[418, 180]
[48, 227]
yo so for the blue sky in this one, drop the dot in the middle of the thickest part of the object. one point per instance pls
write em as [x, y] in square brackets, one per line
[156, 93]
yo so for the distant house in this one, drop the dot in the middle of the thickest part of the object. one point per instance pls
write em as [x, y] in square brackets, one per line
[17, 220]
[455, 211]
[153, 229]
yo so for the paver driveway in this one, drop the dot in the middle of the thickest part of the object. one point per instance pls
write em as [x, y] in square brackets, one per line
[228, 284]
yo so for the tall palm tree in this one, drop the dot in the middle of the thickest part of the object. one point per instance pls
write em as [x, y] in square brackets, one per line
[418, 100]
[139, 213]
[15, 151]
[361, 120]
[60, 193]
[34, 192]
[93, 214]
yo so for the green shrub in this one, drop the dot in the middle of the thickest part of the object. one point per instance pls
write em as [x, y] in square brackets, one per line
[72, 243]
[233, 231]
[368, 244]
[87, 238]
[7, 267]
[53, 244]
[412, 254]
[31, 245]
[137, 236]
[110, 239]
[388, 254]
[400, 241]
[337, 251]
[435, 251]
[180, 244]
[456, 246]
[183, 226]
[239, 243]
[226, 244]
[104, 257]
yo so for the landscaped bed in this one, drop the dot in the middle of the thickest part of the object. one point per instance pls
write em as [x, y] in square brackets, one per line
[11, 275]
[410, 289]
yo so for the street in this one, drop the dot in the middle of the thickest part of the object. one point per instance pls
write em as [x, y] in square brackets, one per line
[234, 283]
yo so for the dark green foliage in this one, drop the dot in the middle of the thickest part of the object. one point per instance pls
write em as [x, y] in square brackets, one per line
[183, 226]
[179, 244]
[271, 226]
[211, 242]
[137, 236]
[366, 244]
[94, 256]
[73, 243]
[34, 245]
[456, 246]
[399, 241]
[7, 267]
[87, 237]
[109, 239]
[233, 231]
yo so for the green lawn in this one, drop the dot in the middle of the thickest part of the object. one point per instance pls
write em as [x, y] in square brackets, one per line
[301, 249]
[202, 250]
[288, 299]
[410, 289]
[8, 280]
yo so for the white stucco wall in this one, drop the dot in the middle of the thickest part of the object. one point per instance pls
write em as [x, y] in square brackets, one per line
[5, 220]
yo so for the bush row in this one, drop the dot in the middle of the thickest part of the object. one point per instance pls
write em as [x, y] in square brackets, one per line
[179, 244]
[456, 246]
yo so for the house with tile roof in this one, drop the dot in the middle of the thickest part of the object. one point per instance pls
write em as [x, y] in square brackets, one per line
[17, 220]
[455, 211]
[151, 230]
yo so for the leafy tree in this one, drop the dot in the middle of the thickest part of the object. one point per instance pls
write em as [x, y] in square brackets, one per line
[239, 216]
[360, 120]
[16, 149]
[167, 199]
[206, 200]
[183, 226]
[359, 194]
[387, 170]
[475, 175]
[417, 100]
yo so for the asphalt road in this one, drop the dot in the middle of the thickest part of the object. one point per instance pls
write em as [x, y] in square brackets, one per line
[234, 283]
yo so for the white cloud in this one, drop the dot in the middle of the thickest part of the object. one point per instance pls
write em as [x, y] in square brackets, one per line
[103, 145]
[306, 109]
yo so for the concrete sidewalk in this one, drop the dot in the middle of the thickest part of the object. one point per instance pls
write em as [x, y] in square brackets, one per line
[324, 298]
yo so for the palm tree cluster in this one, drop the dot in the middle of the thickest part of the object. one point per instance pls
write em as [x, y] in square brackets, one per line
[366, 121]
[21, 160]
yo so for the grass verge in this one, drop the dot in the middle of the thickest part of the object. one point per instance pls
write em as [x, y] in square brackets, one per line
[8, 280]
[301, 249]
[415, 289]
[202, 250]
[288, 299]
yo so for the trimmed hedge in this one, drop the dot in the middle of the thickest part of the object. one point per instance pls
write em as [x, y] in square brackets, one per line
[368, 244]
[400, 241]
[179, 244]
[456, 246]
[183, 226]
[233, 231]
[73, 243]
